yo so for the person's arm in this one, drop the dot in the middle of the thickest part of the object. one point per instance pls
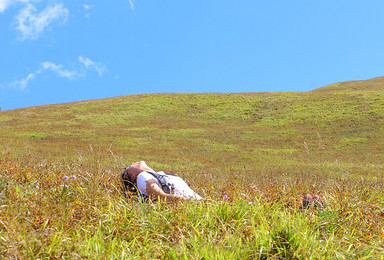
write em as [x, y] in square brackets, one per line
[154, 190]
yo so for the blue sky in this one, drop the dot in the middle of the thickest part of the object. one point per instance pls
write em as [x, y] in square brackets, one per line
[54, 51]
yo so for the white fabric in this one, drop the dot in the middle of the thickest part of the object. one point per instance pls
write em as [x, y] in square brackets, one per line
[181, 188]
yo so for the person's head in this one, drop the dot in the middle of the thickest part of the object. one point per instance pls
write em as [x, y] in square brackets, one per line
[135, 169]
[129, 176]
[129, 185]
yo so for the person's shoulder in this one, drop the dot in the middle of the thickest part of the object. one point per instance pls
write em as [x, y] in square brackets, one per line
[145, 176]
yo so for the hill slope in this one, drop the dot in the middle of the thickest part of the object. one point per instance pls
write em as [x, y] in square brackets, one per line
[374, 84]
[208, 129]
[262, 150]
[240, 132]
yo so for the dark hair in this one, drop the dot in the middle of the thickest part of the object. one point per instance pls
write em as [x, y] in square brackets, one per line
[129, 187]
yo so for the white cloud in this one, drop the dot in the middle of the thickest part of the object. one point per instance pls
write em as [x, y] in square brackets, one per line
[99, 67]
[4, 4]
[86, 65]
[23, 83]
[44, 66]
[58, 69]
[32, 24]
[132, 4]
[86, 9]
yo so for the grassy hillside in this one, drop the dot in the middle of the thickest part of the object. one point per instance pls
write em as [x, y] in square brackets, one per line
[263, 150]
[374, 84]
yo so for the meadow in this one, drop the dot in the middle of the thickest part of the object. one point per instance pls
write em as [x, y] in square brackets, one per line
[251, 155]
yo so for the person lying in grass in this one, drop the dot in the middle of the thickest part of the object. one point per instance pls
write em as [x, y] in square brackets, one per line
[142, 180]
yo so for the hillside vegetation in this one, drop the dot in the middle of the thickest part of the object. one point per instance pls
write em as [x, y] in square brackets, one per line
[375, 84]
[263, 151]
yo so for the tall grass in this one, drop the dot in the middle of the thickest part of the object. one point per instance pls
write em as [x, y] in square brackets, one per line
[253, 156]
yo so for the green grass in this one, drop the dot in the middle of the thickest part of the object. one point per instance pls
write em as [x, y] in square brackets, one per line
[263, 150]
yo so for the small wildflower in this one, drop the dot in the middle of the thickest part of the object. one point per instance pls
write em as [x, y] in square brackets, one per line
[110, 191]
[64, 186]
[225, 197]
[66, 177]
[250, 203]
[74, 177]
[243, 194]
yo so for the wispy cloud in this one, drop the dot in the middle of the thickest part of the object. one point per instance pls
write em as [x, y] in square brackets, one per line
[58, 69]
[89, 64]
[23, 83]
[86, 9]
[132, 4]
[84, 67]
[4, 4]
[32, 24]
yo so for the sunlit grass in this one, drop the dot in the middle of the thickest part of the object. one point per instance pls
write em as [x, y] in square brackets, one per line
[252, 155]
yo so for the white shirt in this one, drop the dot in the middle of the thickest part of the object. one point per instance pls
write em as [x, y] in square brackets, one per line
[181, 187]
